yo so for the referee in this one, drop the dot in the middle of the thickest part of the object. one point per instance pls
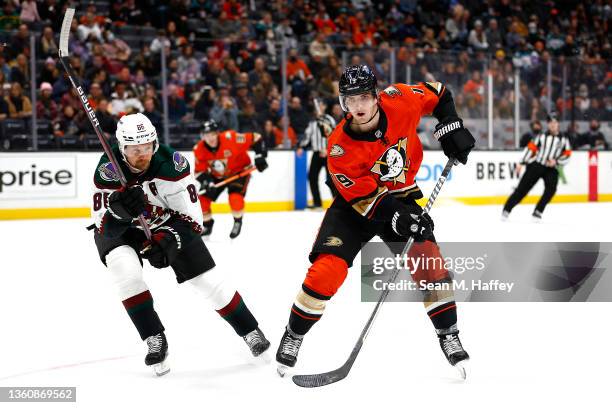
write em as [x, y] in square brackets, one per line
[315, 137]
[542, 155]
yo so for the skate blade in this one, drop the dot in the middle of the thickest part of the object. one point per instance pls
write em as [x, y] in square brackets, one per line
[282, 370]
[162, 368]
[461, 366]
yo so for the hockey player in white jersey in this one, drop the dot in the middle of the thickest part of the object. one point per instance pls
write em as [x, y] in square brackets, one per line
[162, 189]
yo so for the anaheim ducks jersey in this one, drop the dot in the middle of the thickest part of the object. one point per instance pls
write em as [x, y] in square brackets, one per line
[169, 187]
[229, 157]
[366, 167]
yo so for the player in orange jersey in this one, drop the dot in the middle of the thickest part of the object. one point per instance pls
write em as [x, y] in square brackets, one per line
[373, 157]
[220, 155]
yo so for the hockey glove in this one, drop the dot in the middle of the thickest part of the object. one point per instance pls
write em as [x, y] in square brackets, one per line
[127, 203]
[163, 247]
[261, 163]
[207, 184]
[413, 223]
[456, 140]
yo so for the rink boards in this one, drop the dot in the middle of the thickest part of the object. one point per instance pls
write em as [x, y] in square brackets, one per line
[59, 185]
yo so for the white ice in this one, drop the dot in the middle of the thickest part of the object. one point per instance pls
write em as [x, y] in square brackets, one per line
[62, 324]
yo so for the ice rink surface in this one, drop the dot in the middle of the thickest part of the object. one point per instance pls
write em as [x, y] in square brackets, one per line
[62, 324]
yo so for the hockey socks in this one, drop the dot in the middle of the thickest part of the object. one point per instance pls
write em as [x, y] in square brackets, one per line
[441, 308]
[306, 310]
[145, 318]
[238, 315]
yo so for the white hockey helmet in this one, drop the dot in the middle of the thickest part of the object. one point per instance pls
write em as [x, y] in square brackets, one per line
[135, 129]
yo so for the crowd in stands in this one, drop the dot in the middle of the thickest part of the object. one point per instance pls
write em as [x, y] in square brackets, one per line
[224, 60]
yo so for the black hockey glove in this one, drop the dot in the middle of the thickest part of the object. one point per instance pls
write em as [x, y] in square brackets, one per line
[413, 223]
[261, 163]
[207, 184]
[127, 203]
[163, 247]
[456, 140]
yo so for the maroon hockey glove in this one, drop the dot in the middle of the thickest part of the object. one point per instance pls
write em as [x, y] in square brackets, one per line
[163, 247]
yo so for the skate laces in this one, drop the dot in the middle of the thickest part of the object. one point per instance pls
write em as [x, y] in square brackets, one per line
[155, 343]
[291, 345]
[451, 344]
[253, 338]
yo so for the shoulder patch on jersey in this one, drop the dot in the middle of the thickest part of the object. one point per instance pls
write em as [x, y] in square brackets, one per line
[180, 162]
[336, 151]
[107, 172]
[392, 91]
[436, 87]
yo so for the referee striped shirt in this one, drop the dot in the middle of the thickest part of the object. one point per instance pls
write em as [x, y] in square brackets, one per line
[314, 136]
[546, 147]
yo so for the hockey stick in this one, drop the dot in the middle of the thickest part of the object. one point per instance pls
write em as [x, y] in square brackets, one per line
[91, 114]
[319, 380]
[247, 170]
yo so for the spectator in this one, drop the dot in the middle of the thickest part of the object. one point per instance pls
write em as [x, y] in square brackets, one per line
[4, 107]
[247, 119]
[47, 44]
[225, 113]
[20, 71]
[161, 40]
[95, 95]
[189, 67]
[474, 89]
[5, 68]
[46, 108]
[89, 28]
[593, 139]
[20, 43]
[259, 70]
[279, 137]
[204, 104]
[50, 12]
[177, 108]
[493, 36]
[151, 112]
[320, 50]
[535, 129]
[29, 12]
[49, 72]
[19, 105]
[268, 134]
[9, 17]
[72, 123]
[122, 102]
[115, 49]
[273, 113]
[298, 118]
[108, 124]
[477, 38]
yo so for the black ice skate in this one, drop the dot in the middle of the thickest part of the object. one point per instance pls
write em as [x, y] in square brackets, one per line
[208, 226]
[537, 216]
[236, 228]
[257, 342]
[287, 352]
[158, 353]
[454, 352]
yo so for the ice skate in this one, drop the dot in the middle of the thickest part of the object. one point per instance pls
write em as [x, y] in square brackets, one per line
[208, 227]
[257, 342]
[158, 354]
[286, 355]
[536, 216]
[236, 228]
[454, 352]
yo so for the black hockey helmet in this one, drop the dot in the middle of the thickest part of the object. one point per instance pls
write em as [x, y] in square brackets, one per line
[355, 80]
[209, 126]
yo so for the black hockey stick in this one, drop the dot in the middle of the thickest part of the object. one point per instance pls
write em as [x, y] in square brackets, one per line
[91, 114]
[319, 380]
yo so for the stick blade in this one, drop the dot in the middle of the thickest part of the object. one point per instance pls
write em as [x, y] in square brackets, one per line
[65, 32]
[320, 380]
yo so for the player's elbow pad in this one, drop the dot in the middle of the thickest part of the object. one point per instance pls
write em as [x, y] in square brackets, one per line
[445, 108]
[260, 149]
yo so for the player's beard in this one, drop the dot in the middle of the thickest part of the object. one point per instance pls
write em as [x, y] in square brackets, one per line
[141, 164]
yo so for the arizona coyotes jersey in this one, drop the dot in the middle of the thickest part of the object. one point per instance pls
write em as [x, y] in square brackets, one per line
[169, 187]
[366, 167]
[229, 157]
